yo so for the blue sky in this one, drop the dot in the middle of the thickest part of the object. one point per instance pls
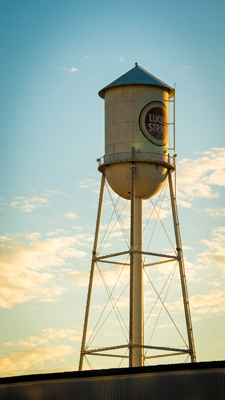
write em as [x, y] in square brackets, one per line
[56, 56]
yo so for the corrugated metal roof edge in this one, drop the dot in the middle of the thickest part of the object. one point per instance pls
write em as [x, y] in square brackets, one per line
[206, 365]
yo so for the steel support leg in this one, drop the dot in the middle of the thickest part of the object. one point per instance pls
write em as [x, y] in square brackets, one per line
[136, 278]
[182, 271]
[132, 196]
[95, 246]
[138, 286]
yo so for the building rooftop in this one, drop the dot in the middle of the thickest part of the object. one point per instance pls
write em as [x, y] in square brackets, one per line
[117, 372]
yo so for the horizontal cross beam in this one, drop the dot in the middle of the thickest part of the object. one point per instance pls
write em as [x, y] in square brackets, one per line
[110, 255]
[165, 355]
[123, 346]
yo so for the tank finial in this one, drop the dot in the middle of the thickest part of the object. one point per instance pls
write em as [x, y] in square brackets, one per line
[136, 64]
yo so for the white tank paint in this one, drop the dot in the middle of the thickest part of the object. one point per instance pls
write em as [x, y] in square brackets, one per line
[149, 179]
[123, 105]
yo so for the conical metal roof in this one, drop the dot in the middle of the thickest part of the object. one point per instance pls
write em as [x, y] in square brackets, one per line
[137, 76]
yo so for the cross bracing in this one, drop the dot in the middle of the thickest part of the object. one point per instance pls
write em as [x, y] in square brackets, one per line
[159, 259]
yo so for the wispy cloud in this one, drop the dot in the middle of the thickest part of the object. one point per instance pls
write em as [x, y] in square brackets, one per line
[69, 69]
[53, 192]
[86, 183]
[88, 56]
[2, 203]
[214, 284]
[71, 215]
[56, 232]
[28, 205]
[121, 59]
[217, 213]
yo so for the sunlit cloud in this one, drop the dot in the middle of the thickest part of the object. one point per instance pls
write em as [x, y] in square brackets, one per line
[206, 304]
[193, 271]
[15, 362]
[217, 177]
[110, 275]
[213, 302]
[27, 271]
[184, 203]
[197, 177]
[33, 236]
[214, 256]
[47, 336]
[37, 351]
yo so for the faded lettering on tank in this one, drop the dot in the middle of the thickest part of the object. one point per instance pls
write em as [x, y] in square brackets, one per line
[153, 123]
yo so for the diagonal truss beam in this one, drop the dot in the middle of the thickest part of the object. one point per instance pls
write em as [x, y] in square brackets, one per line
[182, 270]
[91, 279]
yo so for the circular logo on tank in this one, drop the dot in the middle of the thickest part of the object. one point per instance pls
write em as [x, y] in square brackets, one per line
[153, 123]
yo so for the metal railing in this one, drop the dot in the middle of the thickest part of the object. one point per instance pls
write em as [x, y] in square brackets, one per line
[137, 156]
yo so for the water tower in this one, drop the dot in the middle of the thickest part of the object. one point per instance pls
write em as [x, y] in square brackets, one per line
[136, 164]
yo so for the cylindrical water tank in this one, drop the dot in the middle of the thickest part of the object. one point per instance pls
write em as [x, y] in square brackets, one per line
[136, 128]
